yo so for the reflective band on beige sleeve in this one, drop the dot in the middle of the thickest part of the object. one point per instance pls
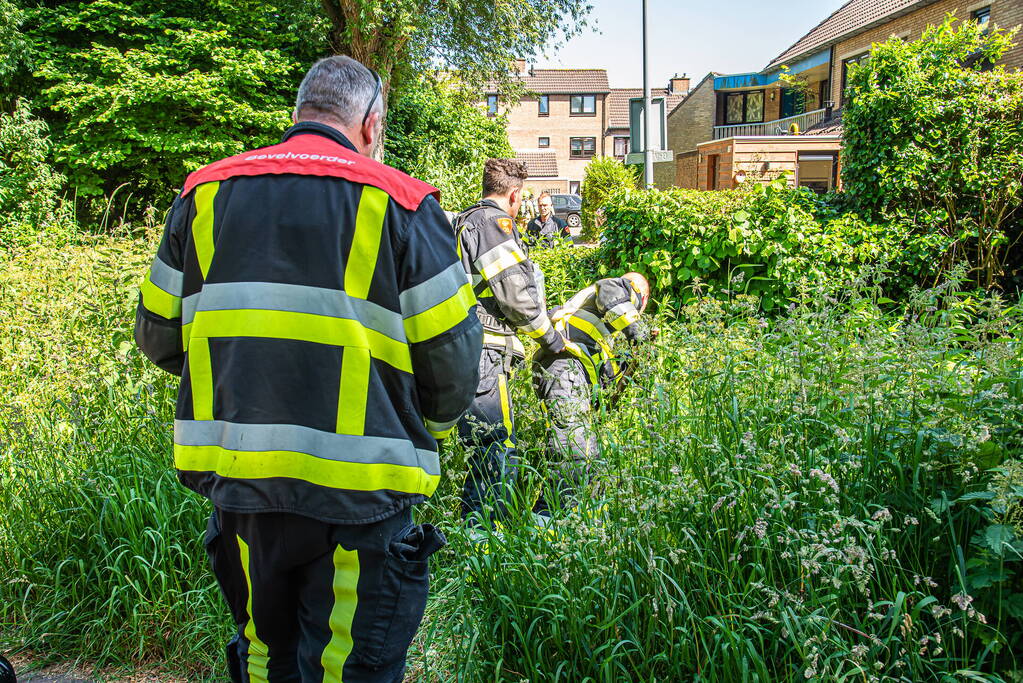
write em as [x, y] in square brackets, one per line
[537, 328]
[202, 225]
[342, 614]
[500, 258]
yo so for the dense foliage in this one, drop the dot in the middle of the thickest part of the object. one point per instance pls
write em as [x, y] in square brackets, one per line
[437, 132]
[138, 93]
[834, 494]
[765, 240]
[933, 137]
[604, 178]
[29, 187]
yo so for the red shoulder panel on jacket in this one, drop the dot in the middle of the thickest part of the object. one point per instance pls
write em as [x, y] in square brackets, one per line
[317, 156]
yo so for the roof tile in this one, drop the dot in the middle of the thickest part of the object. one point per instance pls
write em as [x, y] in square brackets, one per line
[539, 164]
[618, 103]
[563, 81]
[851, 17]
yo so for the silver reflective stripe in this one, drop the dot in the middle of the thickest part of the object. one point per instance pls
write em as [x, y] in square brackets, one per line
[235, 436]
[541, 324]
[436, 290]
[441, 426]
[476, 279]
[593, 320]
[166, 278]
[271, 296]
[504, 255]
[620, 310]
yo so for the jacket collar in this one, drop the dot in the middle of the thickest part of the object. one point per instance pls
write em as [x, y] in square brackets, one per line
[321, 129]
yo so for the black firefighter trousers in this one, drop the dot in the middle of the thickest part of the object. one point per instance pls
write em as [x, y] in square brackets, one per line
[315, 601]
[561, 384]
[488, 430]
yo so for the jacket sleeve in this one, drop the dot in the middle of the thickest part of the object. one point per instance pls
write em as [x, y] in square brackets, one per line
[618, 305]
[158, 316]
[510, 275]
[439, 312]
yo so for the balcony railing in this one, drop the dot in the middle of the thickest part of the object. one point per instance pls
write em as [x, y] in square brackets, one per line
[777, 127]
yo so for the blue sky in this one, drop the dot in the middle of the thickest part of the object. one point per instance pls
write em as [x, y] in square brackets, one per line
[730, 36]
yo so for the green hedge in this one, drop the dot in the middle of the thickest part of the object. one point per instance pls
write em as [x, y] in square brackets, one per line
[766, 240]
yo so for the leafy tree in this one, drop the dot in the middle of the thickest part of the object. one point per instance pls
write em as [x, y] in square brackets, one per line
[28, 186]
[139, 93]
[12, 43]
[933, 136]
[437, 132]
[604, 178]
[476, 38]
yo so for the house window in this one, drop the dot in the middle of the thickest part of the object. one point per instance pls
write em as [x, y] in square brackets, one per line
[621, 145]
[544, 105]
[584, 105]
[543, 142]
[983, 17]
[582, 148]
[744, 107]
[491, 105]
[846, 63]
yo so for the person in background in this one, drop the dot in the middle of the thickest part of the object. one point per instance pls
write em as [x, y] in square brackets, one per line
[570, 381]
[313, 303]
[510, 303]
[547, 230]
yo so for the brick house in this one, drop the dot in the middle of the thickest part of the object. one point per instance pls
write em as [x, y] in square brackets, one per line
[752, 117]
[567, 117]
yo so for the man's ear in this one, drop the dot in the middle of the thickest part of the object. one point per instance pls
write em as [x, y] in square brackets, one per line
[371, 129]
[515, 197]
[294, 116]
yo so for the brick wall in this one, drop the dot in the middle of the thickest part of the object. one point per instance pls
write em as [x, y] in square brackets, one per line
[1004, 14]
[685, 170]
[526, 126]
[692, 122]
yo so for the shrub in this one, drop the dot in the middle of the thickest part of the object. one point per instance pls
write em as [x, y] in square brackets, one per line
[566, 270]
[439, 134]
[29, 187]
[932, 137]
[605, 177]
[764, 240]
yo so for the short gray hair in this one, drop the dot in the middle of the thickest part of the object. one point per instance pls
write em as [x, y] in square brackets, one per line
[337, 87]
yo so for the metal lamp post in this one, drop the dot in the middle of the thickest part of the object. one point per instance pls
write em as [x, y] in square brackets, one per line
[648, 161]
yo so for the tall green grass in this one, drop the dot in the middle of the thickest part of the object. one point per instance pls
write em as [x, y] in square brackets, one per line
[831, 495]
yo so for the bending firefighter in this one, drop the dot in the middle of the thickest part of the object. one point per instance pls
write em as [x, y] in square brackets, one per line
[313, 303]
[568, 382]
[505, 283]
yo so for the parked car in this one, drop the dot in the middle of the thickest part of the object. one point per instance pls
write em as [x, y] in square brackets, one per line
[568, 207]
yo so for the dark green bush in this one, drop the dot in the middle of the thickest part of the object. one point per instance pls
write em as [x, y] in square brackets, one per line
[932, 138]
[605, 177]
[566, 270]
[765, 240]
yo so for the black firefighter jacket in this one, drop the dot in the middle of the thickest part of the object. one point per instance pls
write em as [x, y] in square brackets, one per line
[314, 304]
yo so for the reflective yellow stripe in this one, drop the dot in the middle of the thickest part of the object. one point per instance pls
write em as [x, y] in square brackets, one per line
[587, 327]
[200, 377]
[351, 400]
[502, 383]
[369, 224]
[502, 341]
[202, 225]
[623, 321]
[336, 474]
[258, 653]
[301, 327]
[342, 614]
[442, 317]
[541, 331]
[487, 292]
[160, 302]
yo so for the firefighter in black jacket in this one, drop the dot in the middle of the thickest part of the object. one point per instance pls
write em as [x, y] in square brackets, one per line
[314, 305]
[505, 283]
[568, 382]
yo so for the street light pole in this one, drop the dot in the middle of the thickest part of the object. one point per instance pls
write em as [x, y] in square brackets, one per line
[648, 161]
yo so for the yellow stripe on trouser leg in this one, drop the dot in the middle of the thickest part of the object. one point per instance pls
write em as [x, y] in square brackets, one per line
[346, 598]
[202, 225]
[258, 654]
[502, 387]
[351, 398]
[369, 224]
[200, 377]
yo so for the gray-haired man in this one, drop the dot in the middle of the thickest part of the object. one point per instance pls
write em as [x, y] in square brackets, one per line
[314, 304]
